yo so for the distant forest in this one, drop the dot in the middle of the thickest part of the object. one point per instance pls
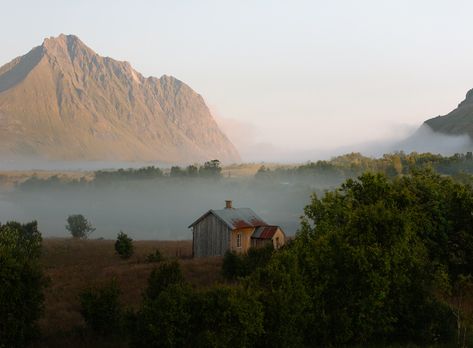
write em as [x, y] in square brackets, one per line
[320, 174]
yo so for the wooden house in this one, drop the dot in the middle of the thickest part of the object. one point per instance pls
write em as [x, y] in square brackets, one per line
[235, 229]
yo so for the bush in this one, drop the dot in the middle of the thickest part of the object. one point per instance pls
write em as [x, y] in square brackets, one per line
[21, 283]
[101, 309]
[124, 245]
[235, 266]
[79, 226]
[167, 274]
[154, 257]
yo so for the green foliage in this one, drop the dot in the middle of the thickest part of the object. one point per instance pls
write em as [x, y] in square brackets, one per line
[165, 318]
[22, 283]
[173, 315]
[232, 266]
[279, 287]
[154, 257]
[367, 256]
[79, 226]
[241, 265]
[124, 245]
[226, 317]
[101, 309]
[168, 273]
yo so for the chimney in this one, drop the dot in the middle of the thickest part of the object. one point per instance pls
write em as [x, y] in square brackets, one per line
[228, 205]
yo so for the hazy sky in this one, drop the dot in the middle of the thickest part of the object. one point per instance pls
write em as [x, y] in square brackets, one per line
[293, 74]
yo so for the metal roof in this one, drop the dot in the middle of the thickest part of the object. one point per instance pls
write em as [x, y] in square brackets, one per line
[235, 218]
[264, 232]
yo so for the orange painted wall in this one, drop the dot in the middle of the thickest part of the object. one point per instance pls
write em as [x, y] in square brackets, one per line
[245, 239]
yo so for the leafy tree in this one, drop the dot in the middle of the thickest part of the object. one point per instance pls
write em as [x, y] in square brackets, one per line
[226, 317]
[22, 283]
[124, 245]
[366, 268]
[101, 309]
[164, 317]
[79, 226]
[279, 287]
[164, 320]
[211, 169]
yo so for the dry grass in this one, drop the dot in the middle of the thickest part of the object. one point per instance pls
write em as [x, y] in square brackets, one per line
[73, 265]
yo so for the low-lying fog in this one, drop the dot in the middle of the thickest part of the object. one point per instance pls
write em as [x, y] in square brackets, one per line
[152, 209]
[163, 208]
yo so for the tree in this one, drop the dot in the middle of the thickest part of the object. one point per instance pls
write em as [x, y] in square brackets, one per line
[22, 283]
[211, 169]
[366, 267]
[101, 309]
[164, 317]
[226, 317]
[79, 226]
[124, 245]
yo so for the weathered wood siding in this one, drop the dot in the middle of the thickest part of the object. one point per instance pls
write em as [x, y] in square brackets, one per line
[211, 237]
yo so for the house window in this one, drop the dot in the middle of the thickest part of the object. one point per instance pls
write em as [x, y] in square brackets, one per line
[239, 240]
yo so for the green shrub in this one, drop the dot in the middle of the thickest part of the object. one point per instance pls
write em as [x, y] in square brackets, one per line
[21, 283]
[101, 309]
[124, 245]
[154, 257]
[167, 274]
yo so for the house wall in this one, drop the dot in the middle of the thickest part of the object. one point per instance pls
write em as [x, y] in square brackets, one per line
[211, 237]
[245, 239]
[279, 239]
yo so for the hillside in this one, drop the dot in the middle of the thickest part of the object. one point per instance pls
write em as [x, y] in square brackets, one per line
[63, 101]
[457, 122]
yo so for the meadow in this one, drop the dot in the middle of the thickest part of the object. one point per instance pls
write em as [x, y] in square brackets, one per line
[73, 265]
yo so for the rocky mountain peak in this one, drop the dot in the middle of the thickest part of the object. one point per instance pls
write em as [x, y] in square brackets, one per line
[64, 101]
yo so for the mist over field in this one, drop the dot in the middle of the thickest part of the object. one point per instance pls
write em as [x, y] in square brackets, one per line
[151, 209]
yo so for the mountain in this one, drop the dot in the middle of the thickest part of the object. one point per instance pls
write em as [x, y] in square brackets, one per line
[63, 101]
[458, 121]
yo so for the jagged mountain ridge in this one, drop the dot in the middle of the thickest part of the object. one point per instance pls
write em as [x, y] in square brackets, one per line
[62, 101]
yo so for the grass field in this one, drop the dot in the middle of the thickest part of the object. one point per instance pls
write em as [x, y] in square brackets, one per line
[73, 265]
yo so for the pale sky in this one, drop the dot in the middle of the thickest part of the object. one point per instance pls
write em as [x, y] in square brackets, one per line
[297, 75]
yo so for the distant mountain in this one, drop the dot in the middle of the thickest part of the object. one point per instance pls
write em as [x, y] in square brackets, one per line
[62, 101]
[458, 121]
